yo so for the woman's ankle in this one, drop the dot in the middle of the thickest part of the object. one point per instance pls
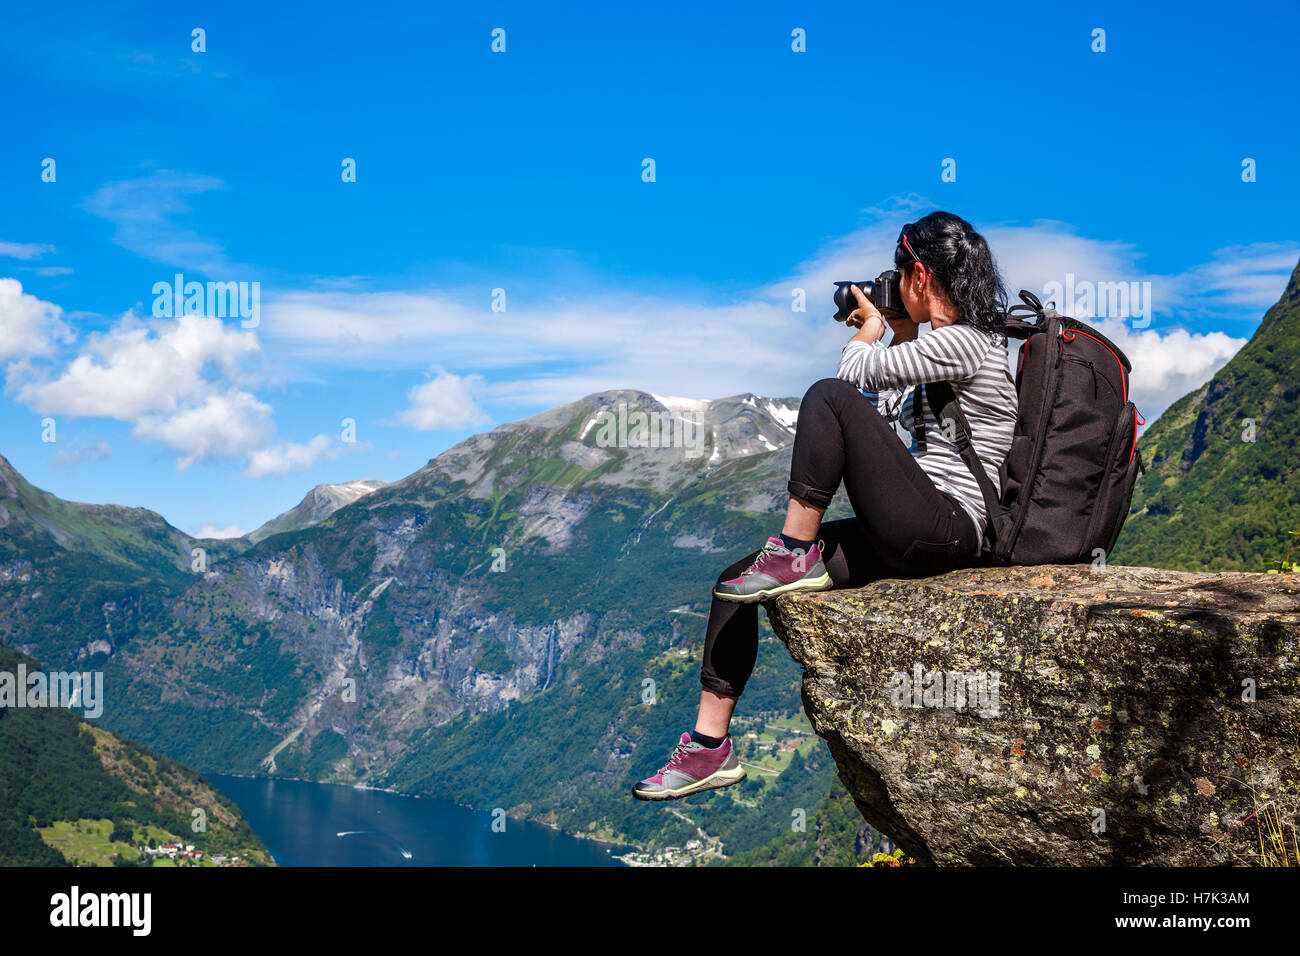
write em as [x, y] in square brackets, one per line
[802, 520]
[797, 544]
[707, 740]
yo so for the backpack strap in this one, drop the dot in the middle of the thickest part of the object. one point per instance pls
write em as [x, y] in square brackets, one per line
[918, 417]
[944, 402]
[1014, 322]
[1029, 304]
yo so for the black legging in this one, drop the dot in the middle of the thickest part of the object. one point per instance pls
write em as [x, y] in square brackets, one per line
[904, 525]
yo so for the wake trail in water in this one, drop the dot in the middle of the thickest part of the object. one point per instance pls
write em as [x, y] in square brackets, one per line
[406, 854]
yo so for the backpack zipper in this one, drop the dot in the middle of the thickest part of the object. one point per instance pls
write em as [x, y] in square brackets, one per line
[1123, 378]
[1091, 368]
[1123, 375]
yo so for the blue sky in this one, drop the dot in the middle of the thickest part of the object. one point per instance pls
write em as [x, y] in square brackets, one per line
[774, 170]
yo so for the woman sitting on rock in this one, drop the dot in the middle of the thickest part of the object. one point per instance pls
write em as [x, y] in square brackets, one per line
[918, 510]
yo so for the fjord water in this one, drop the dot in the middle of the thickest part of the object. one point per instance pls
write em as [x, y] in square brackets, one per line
[316, 824]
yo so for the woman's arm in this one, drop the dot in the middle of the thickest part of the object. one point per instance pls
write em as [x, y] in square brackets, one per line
[950, 353]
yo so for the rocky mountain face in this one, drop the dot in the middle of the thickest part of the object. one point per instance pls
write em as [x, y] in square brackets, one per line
[1223, 486]
[321, 502]
[1062, 715]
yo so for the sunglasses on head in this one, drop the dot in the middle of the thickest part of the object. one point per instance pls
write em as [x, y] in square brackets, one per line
[902, 240]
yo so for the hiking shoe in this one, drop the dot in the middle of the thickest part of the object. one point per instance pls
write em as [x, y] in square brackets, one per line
[691, 769]
[777, 570]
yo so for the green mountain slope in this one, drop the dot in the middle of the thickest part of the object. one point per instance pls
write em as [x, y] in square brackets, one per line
[836, 835]
[36, 525]
[1223, 482]
[72, 792]
[78, 580]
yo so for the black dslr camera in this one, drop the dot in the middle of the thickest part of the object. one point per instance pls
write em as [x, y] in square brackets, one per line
[883, 293]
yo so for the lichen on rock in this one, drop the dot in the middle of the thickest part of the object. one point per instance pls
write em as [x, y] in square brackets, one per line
[1063, 715]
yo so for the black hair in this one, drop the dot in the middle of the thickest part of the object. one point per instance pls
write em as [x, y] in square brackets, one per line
[959, 258]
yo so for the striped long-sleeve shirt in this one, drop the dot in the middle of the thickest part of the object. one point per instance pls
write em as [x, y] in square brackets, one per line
[975, 362]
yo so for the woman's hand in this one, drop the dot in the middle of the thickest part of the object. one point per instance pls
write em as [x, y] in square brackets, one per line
[866, 318]
[904, 328]
[866, 309]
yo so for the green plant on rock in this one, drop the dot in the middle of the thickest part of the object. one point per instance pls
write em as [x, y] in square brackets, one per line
[897, 858]
[1284, 564]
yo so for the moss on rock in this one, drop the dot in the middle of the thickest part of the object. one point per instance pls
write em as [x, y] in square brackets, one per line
[1137, 716]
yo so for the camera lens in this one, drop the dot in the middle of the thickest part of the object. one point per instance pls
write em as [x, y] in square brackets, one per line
[845, 302]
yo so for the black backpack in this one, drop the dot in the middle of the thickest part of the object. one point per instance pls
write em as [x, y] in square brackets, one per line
[1068, 479]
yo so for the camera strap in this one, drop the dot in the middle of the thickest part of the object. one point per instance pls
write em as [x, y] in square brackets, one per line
[944, 402]
[918, 417]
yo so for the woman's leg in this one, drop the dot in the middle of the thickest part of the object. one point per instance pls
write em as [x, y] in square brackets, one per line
[907, 521]
[730, 649]
[697, 765]
[911, 525]
[731, 640]
[714, 715]
[903, 524]
[802, 520]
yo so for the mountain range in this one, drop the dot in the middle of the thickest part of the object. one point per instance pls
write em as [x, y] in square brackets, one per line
[501, 608]
[517, 624]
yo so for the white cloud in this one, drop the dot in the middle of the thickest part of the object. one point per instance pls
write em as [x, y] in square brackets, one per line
[1168, 366]
[28, 326]
[180, 382]
[444, 402]
[555, 351]
[24, 250]
[78, 453]
[186, 383]
[145, 213]
[225, 424]
[290, 457]
[1241, 276]
[140, 367]
[215, 531]
[336, 324]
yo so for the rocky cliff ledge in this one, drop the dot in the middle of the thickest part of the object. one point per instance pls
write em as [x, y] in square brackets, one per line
[1061, 715]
